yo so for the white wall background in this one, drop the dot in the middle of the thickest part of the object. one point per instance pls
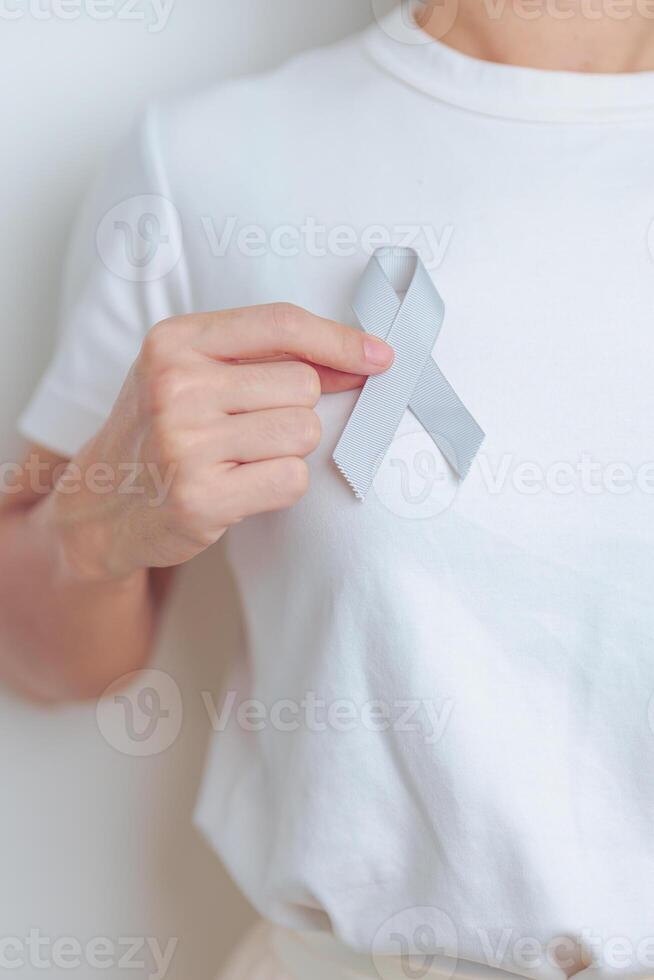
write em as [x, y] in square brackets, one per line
[95, 842]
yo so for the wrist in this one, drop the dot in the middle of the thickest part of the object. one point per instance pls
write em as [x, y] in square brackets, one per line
[85, 542]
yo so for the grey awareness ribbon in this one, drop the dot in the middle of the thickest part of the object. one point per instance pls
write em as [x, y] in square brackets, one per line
[397, 301]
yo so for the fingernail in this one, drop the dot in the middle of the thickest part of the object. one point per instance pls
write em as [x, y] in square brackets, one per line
[377, 352]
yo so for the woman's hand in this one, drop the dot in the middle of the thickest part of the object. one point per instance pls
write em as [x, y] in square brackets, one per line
[214, 421]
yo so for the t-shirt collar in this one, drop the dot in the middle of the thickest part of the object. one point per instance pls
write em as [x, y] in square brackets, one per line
[399, 46]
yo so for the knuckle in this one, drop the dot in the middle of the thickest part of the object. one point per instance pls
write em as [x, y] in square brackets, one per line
[163, 341]
[307, 428]
[169, 442]
[253, 378]
[166, 386]
[292, 429]
[309, 383]
[286, 318]
[291, 479]
[350, 343]
[157, 342]
[187, 503]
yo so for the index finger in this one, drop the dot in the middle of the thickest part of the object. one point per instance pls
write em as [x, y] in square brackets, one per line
[281, 328]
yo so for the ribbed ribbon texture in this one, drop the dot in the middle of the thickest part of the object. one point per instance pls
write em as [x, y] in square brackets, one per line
[397, 301]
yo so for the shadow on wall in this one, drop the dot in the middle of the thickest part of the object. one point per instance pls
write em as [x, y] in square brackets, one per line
[96, 834]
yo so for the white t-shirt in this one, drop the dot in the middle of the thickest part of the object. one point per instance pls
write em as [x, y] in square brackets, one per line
[452, 725]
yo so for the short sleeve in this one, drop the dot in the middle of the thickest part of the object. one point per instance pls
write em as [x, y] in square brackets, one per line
[125, 271]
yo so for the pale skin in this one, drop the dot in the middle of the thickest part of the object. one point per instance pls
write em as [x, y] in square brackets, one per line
[563, 35]
[226, 403]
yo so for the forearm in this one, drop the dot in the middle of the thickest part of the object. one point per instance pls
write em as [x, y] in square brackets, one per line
[63, 635]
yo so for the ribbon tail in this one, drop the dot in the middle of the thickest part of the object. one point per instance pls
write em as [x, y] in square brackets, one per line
[443, 415]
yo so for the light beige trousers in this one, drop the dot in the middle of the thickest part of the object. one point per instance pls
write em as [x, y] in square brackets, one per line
[271, 953]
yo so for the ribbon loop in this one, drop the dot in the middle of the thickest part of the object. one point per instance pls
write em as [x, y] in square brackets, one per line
[397, 301]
